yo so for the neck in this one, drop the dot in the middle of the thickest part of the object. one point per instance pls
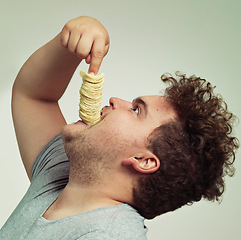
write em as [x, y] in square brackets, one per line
[85, 198]
[115, 186]
[75, 200]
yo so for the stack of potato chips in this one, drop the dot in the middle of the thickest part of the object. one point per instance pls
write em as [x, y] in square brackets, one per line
[90, 98]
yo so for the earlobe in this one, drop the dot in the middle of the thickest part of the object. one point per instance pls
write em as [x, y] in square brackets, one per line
[146, 164]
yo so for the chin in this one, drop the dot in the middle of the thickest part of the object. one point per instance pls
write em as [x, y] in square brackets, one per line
[66, 134]
[69, 132]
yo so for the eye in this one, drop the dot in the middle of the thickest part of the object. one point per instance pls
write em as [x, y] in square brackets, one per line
[136, 110]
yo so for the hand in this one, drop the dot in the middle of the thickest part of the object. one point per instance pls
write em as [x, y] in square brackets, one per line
[88, 39]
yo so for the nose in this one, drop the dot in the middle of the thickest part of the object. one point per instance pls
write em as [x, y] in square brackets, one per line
[119, 103]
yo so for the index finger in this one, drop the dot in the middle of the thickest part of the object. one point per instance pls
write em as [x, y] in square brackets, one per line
[97, 55]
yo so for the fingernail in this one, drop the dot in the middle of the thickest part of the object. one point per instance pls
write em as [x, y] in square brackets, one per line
[91, 73]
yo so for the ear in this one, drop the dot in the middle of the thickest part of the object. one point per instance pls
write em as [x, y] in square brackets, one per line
[143, 163]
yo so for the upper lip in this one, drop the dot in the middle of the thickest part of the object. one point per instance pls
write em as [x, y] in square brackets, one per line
[104, 112]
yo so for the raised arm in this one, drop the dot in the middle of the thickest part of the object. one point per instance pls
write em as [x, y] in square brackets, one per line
[43, 79]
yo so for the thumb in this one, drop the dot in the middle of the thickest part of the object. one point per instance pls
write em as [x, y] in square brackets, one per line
[87, 60]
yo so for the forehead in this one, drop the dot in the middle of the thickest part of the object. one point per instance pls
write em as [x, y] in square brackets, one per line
[155, 101]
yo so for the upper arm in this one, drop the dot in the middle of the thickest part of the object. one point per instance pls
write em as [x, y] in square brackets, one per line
[36, 122]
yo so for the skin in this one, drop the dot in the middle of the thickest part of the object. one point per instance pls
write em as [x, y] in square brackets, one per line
[120, 138]
[106, 165]
[43, 79]
[109, 172]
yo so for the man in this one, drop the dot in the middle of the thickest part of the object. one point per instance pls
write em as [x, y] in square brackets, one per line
[144, 158]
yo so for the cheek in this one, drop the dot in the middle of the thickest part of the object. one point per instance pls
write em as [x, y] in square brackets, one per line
[112, 130]
[119, 123]
[125, 129]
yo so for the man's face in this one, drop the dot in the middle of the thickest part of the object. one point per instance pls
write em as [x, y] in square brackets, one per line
[133, 121]
[122, 131]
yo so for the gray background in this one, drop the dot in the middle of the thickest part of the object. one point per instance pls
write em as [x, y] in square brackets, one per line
[148, 38]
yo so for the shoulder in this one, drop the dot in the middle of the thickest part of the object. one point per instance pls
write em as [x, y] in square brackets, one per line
[121, 222]
[127, 223]
[52, 160]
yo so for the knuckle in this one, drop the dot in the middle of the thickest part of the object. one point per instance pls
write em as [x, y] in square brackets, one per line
[71, 49]
[100, 34]
[72, 26]
[63, 41]
[81, 54]
[67, 26]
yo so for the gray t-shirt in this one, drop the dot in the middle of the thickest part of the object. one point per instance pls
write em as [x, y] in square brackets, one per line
[49, 176]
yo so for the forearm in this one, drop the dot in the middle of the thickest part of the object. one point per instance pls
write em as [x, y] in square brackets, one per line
[43, 79]
[46, 74]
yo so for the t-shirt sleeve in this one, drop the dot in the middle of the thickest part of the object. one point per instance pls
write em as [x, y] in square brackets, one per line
[50, 170]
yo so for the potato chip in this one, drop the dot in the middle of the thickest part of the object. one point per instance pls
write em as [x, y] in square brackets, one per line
[90, 97]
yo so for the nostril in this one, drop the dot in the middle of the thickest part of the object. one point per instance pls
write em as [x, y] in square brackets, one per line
[112, 105]
[111, 101]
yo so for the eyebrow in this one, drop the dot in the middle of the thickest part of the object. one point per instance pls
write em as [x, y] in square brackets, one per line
[140, 101]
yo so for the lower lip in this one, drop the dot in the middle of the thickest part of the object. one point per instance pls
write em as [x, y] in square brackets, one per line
[82, 123]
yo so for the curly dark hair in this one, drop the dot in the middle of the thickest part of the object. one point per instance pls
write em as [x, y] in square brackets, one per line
[196, 150]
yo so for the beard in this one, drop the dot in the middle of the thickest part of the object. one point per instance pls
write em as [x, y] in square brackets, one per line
[89, 157]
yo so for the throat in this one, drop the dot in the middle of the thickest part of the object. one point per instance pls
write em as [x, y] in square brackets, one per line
[73, 202]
